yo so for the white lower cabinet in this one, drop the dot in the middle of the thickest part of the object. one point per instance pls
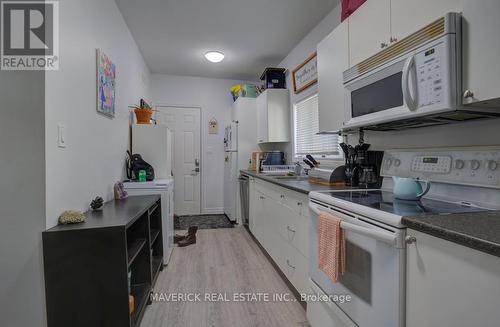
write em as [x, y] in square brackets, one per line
[278, 220]
[251, 194]
[450, 285]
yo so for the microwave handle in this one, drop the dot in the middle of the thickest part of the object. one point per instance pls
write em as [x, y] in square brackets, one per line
[378, 235]
[411, 103]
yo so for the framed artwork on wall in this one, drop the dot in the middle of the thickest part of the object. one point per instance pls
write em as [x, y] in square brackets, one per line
[305, 74]
[106, 75]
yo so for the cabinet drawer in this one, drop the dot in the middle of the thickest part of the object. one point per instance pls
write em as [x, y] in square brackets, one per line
[299, 275]
[293, 228]
[298, 235]
[296, 201]
[268, 189]
[293, 264]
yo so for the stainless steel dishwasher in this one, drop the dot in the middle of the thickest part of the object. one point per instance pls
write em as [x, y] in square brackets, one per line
[244, 198]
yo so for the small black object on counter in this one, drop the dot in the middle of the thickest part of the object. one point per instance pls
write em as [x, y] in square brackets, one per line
[97, 203]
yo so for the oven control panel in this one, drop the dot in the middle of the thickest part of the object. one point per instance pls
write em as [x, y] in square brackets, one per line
[465, 166]
[431, 164]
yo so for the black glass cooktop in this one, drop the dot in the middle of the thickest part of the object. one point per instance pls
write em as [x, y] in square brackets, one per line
[385, 201]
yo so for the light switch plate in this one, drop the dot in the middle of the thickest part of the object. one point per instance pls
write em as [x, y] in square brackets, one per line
[61, 136]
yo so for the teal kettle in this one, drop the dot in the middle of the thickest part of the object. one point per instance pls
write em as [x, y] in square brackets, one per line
[409, 188]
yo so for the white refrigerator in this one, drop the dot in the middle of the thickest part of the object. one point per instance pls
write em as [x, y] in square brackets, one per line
[154, 144]
[240, 140]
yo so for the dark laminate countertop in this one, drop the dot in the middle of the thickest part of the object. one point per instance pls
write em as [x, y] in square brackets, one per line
[302, 186]
[114, 213]
[479, 230]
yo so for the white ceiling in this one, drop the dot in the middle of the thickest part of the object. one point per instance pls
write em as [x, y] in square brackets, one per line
[173, 35]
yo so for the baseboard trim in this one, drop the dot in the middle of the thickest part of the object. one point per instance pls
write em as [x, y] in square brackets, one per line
[212, 211]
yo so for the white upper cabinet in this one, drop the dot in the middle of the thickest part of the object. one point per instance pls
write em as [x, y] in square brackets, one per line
[333, 60]
[378, 24]
[273, 116]
[481, 68]
[408, 16]
[369, 29]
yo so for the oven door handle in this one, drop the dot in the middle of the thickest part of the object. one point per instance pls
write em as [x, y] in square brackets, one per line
[372, 233]
[411, 103]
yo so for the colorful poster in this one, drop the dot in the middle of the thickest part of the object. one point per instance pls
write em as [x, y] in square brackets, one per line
[106, 73]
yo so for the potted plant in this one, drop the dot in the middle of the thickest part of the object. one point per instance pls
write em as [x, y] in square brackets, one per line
[143, 112]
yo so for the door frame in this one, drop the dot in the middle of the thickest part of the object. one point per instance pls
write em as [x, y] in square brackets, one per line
[197, 107]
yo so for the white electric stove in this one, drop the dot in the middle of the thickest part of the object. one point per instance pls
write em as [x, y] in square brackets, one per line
[462, 180]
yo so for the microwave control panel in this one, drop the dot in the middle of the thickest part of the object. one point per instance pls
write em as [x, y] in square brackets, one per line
[430, 70]
[476, 167]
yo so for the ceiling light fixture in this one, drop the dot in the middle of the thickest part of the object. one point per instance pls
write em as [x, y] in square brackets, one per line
[214, 56]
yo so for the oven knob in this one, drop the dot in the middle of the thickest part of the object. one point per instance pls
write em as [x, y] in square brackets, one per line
[475, 164]
[492, 165]
[459, 164]
[397, 162]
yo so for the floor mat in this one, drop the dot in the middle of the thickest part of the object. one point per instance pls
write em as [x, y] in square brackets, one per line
[202, 221]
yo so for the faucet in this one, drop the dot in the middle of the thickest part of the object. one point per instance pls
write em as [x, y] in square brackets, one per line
[298, 169]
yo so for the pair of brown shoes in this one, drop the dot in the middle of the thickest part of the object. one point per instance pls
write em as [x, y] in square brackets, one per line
[188, 239]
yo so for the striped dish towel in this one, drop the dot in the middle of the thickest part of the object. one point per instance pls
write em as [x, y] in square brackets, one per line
[331, 246]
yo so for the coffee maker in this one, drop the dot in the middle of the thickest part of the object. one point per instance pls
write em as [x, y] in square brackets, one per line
[369, 163]
[362, 167]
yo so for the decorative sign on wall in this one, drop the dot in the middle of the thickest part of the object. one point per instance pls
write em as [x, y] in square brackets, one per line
[305, 74]
[106, 74]
[213, 126]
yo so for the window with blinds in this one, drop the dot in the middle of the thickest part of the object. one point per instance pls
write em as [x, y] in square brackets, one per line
[306, 127]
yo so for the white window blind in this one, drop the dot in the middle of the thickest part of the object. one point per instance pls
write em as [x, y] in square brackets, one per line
[306, 122]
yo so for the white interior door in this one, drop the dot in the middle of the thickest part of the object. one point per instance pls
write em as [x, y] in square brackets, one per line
[185, 126]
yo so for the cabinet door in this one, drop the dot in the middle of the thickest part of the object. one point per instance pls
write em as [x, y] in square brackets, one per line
[408, 16]
[252, 205]
[369, 27]
[262, 117]
[333, 60]
[450, 285]
[481, 71]
[278, 115]
[258, 217]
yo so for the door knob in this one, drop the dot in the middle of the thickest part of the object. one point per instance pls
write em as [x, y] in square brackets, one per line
[410, 239]
[197, 162]
[468, 94]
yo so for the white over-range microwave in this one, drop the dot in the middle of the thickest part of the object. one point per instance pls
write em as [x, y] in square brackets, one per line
[415, 82]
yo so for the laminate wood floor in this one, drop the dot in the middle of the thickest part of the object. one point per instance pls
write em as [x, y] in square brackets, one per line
[224, 261]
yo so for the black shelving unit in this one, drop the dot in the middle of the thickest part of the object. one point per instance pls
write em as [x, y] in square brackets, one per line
[156, 244]
[92, 268]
